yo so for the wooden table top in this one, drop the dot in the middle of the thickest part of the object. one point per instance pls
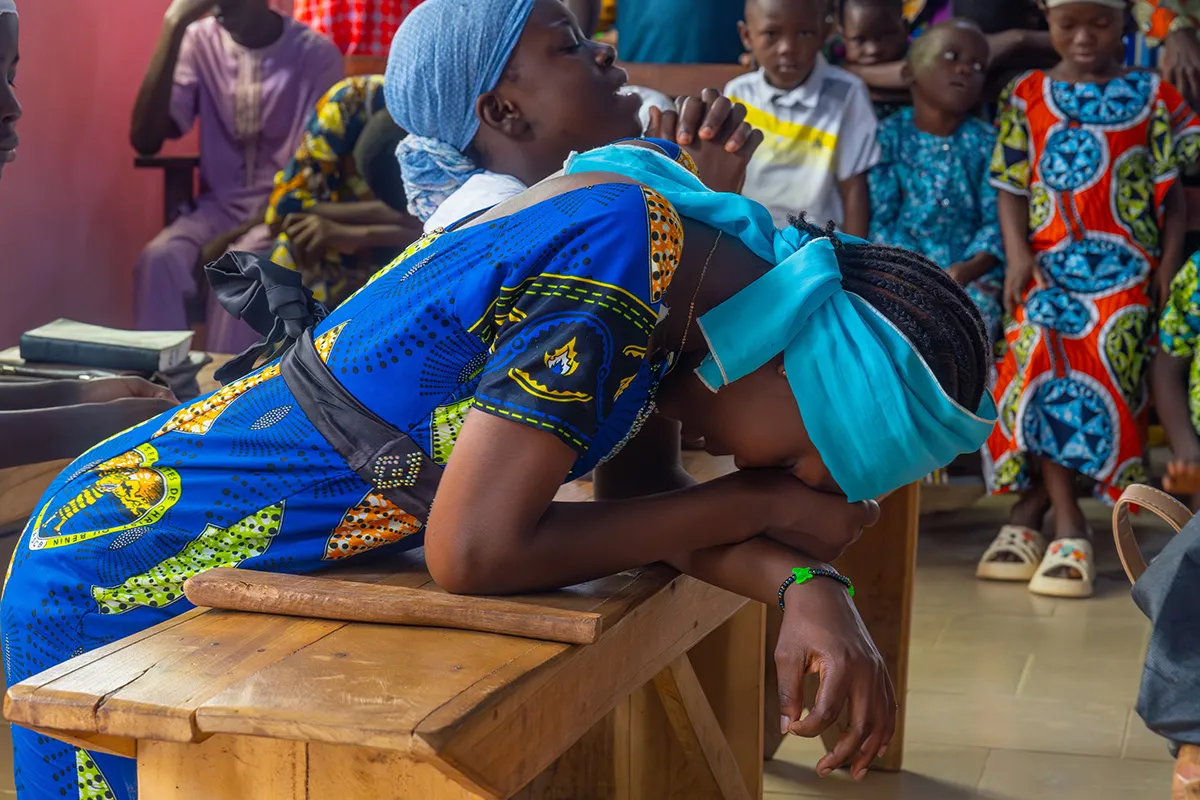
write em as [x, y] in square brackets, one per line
[494, 710]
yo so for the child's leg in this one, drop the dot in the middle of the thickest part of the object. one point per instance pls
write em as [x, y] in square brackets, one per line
[1068, 518]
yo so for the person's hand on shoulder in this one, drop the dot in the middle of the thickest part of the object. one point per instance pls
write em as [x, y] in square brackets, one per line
[715, 133]
[822, 634]
[185, 12]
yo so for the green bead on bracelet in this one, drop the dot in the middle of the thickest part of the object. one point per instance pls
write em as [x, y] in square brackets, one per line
[805, 574]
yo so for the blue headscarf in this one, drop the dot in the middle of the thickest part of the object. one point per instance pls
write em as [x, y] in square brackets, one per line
[871, 405]
[446, 54]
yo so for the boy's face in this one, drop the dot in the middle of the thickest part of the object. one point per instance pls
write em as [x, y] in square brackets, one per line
[785, 37]
[949, 70]
[1086, 35]
[873, 34]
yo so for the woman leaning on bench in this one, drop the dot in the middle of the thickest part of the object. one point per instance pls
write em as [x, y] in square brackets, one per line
[571, 328]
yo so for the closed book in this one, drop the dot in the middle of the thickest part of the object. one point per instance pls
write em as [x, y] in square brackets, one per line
[65, 341]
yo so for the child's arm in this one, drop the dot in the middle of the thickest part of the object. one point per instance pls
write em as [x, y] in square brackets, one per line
[1179, 331]
[857, 153]
[1174, 232]
[856, 202]
[987, 247]
[882, 77]
[1020, 263]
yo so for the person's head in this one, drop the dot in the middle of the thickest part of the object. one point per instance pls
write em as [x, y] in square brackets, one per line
[947, 67]
[873, 31]
[10, 108]
[241, 17]
[1087, 33]
[786, 37]
[756, 419]
[507, 85]
[375, 159]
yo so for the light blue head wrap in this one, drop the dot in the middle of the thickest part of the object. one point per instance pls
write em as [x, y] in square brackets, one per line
[871, 405]
[446, 54]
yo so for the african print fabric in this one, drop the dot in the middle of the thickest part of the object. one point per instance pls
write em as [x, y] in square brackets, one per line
[932, 195]
[1095, 161]
[545, 318]
[357, 27]
[1179, 328]
[323, 171]
[1157, 18]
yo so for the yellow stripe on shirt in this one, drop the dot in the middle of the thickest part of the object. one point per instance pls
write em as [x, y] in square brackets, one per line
[789, 143]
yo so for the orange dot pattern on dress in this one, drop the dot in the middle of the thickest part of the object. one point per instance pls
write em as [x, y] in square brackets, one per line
[198, 418]
[666, 242]
[374, 522]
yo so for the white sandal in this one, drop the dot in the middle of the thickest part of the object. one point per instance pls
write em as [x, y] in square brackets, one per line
[1076, 554]
[1016, 540]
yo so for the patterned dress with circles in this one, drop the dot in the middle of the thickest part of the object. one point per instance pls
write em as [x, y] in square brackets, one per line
[544, 318]
[1096, 161]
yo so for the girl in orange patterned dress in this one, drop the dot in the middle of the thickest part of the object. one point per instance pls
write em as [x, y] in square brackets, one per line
[1093, 226]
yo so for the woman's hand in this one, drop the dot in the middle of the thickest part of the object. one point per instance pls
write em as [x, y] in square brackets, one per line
[823, 635]
[715, 132]
[819, 524]
[106, 390]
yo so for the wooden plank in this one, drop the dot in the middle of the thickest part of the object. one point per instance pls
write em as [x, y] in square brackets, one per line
[658, 765]
[347, 772]
[225, 768]
[730, 664]
[883, 566]
[352, 601]
[501, 741]
[95, 742]
[372, 685]
[696, 729]
[151, 688]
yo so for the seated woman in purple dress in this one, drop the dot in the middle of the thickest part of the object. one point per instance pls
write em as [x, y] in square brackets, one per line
[251, 77]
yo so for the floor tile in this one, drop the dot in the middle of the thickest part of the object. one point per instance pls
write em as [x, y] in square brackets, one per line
[953, 671]
[927, 627]
[932, 772]
[1033, 776]
[1018, 723]
[1141, 744]
[963, 593]
[1063, 675]
[1079, 637]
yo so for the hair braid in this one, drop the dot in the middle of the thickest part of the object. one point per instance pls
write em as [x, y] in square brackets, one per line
[925, 304]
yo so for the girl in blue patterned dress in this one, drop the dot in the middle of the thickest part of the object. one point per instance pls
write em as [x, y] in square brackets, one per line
[930, 191]
[568, 329]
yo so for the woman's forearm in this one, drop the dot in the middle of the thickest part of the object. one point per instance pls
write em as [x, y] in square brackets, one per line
[365, 212]
[576, 542]
[754, 569]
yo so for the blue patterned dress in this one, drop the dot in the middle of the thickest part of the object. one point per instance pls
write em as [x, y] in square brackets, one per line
[931, 194]
[544, 317]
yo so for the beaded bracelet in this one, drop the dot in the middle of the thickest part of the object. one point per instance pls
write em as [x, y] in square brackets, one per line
[806, 574]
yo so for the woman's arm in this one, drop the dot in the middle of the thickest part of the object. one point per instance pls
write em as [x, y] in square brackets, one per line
[495, 528]
[364, 212]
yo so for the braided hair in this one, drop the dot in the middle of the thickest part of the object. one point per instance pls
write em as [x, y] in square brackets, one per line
[925, 304]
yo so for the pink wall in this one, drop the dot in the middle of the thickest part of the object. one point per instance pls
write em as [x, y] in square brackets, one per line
[74, 213]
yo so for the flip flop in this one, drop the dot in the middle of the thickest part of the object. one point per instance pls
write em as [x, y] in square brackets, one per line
[1074, 553]
[1026, 544]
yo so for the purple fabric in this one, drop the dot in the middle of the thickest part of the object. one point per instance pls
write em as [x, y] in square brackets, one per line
[252, 106]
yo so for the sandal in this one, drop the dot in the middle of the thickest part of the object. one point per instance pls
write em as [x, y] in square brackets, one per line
[1076, 554]
[1017, 540]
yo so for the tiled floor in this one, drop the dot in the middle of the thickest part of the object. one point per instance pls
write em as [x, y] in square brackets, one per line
[1012, 696]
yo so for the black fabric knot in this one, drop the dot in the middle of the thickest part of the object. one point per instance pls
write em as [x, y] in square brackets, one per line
[269, 298]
